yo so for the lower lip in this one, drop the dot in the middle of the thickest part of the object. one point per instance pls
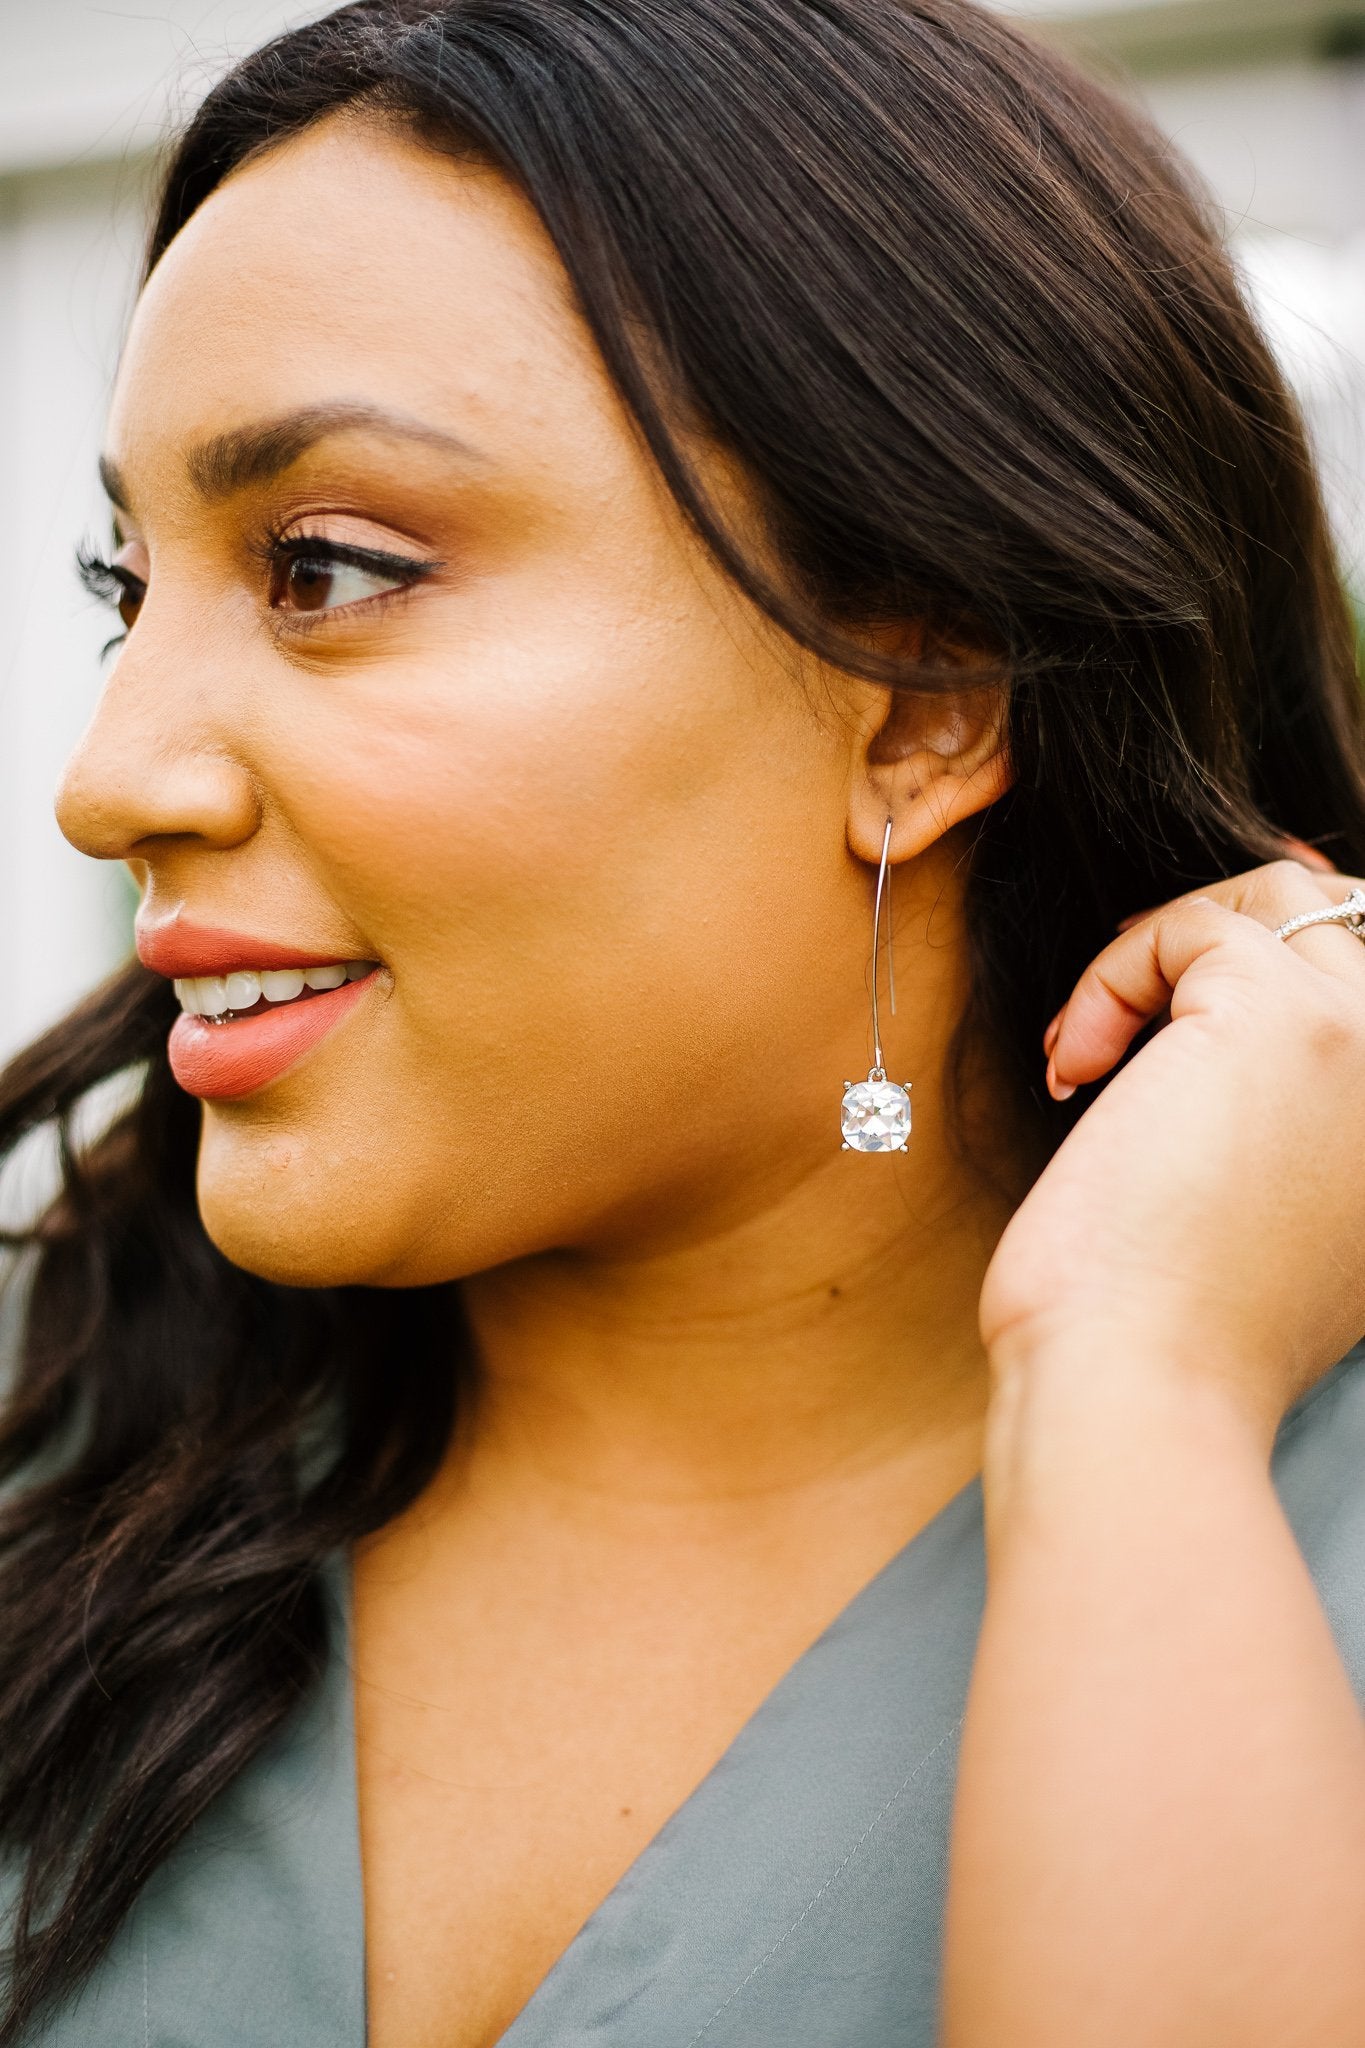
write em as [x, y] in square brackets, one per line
[220, 1062]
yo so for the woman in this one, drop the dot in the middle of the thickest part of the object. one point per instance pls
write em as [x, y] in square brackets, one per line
[494, 1543]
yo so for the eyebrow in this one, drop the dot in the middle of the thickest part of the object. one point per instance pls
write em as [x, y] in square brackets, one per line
[256, 453]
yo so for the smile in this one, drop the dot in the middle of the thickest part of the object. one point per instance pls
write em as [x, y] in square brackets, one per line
[239, 1031]
[222, 998]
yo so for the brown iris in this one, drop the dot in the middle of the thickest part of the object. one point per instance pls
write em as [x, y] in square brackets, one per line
[302, 582]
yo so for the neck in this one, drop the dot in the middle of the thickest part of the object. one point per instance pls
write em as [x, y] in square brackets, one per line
[832, 1332]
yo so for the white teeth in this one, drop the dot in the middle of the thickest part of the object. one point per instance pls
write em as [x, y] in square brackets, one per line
[325, 977]
[220, 995]
[282, 984]
[243, 991]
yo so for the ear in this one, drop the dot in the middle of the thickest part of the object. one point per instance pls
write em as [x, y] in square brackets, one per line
[929, 759]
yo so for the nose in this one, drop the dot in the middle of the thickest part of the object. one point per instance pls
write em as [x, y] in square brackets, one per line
[151, 766]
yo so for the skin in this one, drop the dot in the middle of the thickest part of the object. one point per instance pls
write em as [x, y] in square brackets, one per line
[611, 841]
[614, 841]
[1159, 1833]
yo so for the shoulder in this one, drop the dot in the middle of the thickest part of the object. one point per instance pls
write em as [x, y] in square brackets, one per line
[1319, 1472]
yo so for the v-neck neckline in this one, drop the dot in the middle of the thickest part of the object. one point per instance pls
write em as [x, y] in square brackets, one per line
[868, 1712]
[795, 1896]
[962, 1509]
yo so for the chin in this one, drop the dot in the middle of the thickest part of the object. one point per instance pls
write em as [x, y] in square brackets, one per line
[276, 1206]
[305, 1213]
[281, 1244]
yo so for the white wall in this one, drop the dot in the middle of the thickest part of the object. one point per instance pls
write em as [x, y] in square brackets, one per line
[84, 81]
[67, 242]
[1283, 147]
[87, 89]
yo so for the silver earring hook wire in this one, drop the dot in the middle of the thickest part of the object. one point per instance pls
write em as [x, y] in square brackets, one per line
[883, 889]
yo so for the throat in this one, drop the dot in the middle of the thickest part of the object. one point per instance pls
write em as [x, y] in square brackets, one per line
[537, 1693]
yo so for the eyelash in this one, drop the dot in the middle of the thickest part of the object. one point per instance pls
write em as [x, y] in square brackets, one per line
[106, 583]
[110, 584]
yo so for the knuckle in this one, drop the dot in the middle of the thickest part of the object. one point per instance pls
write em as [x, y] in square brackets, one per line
[1197, 907]
[1279, 886]
[1280, 890]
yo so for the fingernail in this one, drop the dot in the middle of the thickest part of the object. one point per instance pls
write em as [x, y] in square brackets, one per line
[1050, 1035]
[1061, 1091]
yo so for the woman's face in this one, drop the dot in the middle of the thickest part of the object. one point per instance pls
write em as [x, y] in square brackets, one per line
[518, 741]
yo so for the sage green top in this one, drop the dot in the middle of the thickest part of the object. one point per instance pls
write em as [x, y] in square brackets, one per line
[793, 1901]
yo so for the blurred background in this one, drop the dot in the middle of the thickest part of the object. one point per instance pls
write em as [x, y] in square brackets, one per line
[1266, 96]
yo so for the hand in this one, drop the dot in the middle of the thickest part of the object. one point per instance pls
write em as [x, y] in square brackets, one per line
[1209, 1207]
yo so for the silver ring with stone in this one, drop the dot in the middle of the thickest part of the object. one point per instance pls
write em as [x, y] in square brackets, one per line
[1351, 913]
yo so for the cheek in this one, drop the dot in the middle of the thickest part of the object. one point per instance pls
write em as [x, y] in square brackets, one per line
[523, 751]
[456, 805]
[581, 857]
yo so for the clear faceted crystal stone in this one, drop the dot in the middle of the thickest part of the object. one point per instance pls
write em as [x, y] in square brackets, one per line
[876, 1116]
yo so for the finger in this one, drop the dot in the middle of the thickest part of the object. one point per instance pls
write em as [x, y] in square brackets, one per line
[1272, 895]
[1135, 979]
[1283, 892]
[1296, 850]
[1269, 896]
[1323, 944]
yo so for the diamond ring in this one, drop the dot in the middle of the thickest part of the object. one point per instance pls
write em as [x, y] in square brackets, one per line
[1351, 913]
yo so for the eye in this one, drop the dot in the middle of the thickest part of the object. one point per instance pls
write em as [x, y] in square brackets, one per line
[112, 584]
[323, 576]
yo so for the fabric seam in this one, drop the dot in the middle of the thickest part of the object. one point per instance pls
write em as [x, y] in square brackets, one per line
[831, 1880]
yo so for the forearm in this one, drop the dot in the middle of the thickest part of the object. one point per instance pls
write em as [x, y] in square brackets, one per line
[1159, 1837]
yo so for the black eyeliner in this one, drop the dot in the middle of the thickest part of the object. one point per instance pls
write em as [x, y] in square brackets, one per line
[315, 548]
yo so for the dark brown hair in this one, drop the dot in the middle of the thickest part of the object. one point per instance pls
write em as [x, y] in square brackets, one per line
[971, 336]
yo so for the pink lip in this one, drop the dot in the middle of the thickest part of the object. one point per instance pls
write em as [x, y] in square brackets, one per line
[183, 952]
[221, 1062]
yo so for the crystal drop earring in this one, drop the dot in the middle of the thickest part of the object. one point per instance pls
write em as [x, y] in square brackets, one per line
[876, 1112]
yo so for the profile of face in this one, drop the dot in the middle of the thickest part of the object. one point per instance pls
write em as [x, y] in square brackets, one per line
[426, 668]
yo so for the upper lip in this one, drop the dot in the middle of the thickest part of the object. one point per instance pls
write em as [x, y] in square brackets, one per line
[183, 952]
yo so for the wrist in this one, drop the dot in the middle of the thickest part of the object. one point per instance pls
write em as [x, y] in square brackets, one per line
[1103, 1365]
[1097, 1407]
